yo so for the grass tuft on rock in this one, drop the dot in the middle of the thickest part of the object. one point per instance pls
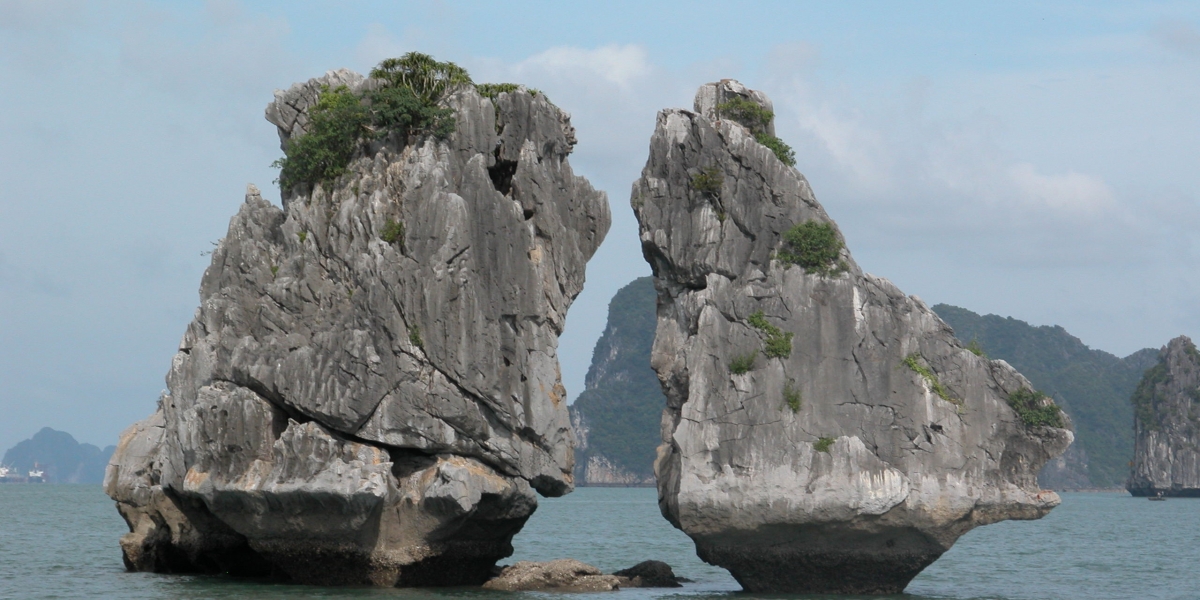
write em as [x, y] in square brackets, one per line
[791, 397]
[779, 342]
[414, 336]
[742, 363]
[392, 232]
[813, 245]
[1035, 408]
[823, 444]
[974, 348]
[915, 363]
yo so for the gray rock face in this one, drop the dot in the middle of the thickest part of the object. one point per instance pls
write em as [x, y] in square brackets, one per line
[873, 475]
[345, 409]
[1166, 408]
[562, 575]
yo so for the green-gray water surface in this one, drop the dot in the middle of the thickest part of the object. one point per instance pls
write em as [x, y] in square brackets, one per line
[60, 541]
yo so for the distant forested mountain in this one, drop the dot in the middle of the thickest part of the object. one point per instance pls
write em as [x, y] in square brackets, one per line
[1092, 386]
[616, 418]
[62, 458]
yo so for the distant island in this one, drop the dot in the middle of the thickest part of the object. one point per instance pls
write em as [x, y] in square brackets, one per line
[59, 456]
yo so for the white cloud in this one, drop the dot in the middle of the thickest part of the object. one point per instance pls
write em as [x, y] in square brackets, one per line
[620, 65]
[1071, 191]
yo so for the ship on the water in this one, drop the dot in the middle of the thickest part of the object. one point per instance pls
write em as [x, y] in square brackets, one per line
[9, 475]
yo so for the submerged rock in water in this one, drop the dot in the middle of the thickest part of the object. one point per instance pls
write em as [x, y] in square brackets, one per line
[824, 433]
[1166, 407]
[649, 574]
[562, 575]
[370, 390]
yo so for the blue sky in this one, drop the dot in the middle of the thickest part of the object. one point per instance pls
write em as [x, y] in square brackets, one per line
[1030, 160]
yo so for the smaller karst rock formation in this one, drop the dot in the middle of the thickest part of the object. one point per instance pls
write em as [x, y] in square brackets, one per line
[1166, 410]
[370, 390]
[824, 432]
[616, 418]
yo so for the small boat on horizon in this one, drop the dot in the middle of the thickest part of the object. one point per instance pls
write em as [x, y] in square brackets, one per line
[1157, 498]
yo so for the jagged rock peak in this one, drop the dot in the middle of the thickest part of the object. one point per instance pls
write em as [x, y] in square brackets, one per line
[1166, 410]
[370, 390]
[710, 96]
[824, 432]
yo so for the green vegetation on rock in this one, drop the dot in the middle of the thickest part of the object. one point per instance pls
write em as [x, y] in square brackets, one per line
[341, 121]
[493, 90]
[782, 151]
[916, 363]
[779, 343]
[1091, 386]
[392, 232]
[414, 336]
[741, 364]
[1145, 396]
[791, 397]
[1035, 408]
[757, 119]
[823, 444]
[708, 181]
[813, 245]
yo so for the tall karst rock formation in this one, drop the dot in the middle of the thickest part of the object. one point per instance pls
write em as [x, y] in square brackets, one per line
[1166, 414]
[370, 390]
[823, 431]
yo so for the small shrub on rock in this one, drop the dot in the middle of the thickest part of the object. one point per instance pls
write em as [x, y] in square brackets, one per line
[742, 363]
[392, 232]
[341, 120]
[814, 246]
[782, 151]
[1035, 408]
[823, 444]
[747, 112]
[791, 397]
[708, 181]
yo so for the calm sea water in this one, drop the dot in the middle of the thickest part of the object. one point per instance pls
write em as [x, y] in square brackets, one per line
[60, 541]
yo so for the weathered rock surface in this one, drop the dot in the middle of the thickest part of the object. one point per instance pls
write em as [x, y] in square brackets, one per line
[1092, 386]
[649, 574]
[900, 474]
[616, 418]
[349, 410]
[562, 575]
[1166, 409]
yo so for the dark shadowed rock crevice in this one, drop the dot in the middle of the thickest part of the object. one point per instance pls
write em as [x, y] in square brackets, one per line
[1166, 408]
[350, 409]
[824, 432]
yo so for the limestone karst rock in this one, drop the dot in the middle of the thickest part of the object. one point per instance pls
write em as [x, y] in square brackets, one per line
[561, 575]
[350, 409]
[1166, 414]
[823, 431]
